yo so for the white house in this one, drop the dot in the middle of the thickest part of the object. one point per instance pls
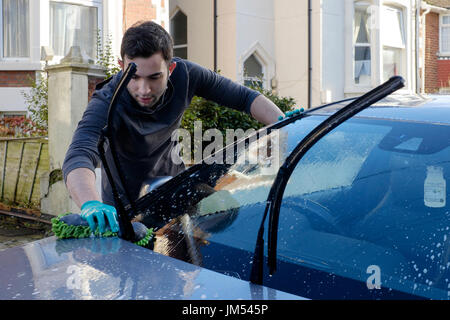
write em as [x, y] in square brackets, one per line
[316, 51]
[28, 26]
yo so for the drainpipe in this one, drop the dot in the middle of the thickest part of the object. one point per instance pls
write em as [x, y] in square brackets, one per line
[309, 53]
[215, 35]
[418, 81]
[427, 8]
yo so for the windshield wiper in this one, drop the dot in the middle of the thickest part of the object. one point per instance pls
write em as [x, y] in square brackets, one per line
[124, 206]
[274, 198]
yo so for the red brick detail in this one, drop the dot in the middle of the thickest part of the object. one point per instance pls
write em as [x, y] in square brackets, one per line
[444, 73]
[92, 82]
[431, 51]
[17, 78]
[137, 10]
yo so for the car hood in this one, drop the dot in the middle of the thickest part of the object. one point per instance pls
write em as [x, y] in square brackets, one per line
[111, 268]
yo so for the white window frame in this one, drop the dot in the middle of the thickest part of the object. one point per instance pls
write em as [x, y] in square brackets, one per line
[355, 45]
[254, 79]
[402, 46]
[266, 61]
[180, 46]
[351, 88]
[441, 25]
[402, 23]
[88, 3]
[17, 59]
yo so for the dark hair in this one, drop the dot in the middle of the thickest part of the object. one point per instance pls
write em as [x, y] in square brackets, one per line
[144, 39]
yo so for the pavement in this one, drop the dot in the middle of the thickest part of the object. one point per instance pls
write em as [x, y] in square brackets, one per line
[16, 232]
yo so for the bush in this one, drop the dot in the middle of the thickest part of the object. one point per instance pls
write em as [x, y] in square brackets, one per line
[37, 103]
[215, 116]
[19, 127]
[105, 56]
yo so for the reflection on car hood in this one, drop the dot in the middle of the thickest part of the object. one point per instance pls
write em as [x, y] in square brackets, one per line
[111, 268]
[434, 110]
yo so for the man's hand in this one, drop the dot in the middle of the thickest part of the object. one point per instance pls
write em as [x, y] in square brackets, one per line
[94, 213]
[291, 113]
[264, 110]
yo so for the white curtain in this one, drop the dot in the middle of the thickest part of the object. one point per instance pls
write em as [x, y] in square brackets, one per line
[73, 25]
[16, 28]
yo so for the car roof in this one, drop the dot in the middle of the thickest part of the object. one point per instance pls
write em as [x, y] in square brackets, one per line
[111, 268]
[431, 109]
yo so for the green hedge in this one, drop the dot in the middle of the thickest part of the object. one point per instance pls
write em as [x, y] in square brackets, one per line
[219, 117]
[214, 116]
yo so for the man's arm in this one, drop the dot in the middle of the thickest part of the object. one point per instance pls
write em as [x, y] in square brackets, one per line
[264, 110]
[81, 186]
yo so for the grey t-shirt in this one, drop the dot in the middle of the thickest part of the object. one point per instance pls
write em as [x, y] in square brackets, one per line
[143, 137]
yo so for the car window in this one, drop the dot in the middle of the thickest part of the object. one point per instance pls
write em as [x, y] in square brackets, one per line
[372, 196]
[223, 203]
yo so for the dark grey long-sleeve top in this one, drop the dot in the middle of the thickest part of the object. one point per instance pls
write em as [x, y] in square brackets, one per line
[143, 137]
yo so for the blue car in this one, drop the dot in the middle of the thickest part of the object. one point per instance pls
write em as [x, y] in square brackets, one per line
[364, 214]
[344, 201]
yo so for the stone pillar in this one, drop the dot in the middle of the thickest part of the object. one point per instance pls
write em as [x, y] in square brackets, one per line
[67, 100]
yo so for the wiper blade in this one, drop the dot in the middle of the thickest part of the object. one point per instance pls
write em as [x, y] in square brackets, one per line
[273, 203]
[124, 206]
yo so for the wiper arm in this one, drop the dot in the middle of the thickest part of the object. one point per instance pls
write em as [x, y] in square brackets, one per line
[275, 195]
[124, 206]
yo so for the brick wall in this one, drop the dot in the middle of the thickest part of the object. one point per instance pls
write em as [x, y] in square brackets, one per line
[92, 82]
[431, 50]
[137, 10]
[16, 78]
[444, 73]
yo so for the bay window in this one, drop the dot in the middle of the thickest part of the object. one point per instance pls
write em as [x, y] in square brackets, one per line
[15, 28]
[376, 43]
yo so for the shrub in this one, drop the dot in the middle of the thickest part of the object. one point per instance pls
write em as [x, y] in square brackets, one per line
[37, 103]
[21, 126]
[105, 56]
[214, 116]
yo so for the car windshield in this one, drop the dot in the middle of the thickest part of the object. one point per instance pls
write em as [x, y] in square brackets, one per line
[367, 202]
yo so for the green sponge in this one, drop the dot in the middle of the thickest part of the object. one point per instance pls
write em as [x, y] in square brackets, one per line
[70, 225]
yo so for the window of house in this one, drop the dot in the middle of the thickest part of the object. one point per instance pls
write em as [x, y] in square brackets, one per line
[445, 35]
[253, 72]
[73, 25]
[16, 28]
[361, 42]
[178, 29]
[393, 39]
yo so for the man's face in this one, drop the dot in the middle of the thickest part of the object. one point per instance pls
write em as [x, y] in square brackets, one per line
[150, 80]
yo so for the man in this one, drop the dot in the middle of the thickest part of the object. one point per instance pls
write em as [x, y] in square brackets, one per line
[148, 112]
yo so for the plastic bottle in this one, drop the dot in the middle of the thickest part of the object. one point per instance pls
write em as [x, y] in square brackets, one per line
[435, 188]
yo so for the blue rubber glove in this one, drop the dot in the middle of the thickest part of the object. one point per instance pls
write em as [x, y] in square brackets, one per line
[291, 113]
[94, 213]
